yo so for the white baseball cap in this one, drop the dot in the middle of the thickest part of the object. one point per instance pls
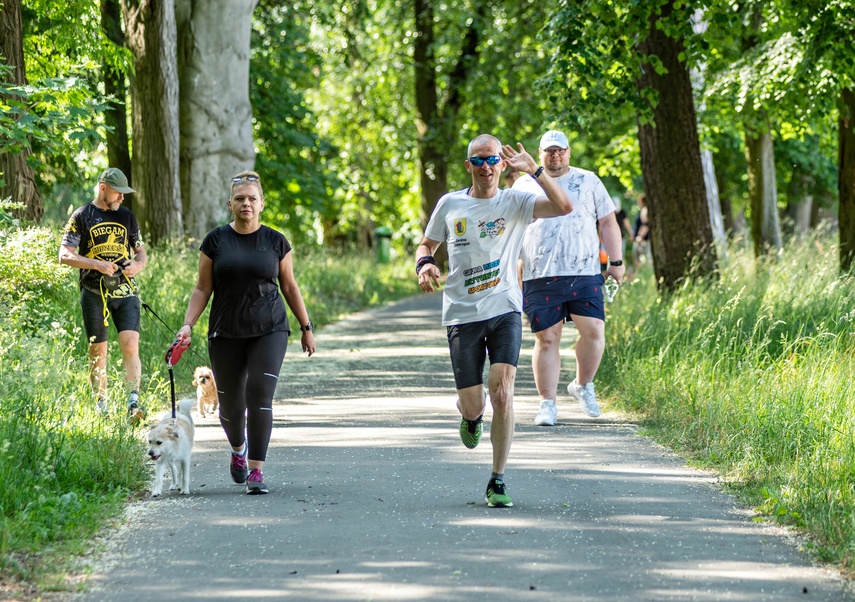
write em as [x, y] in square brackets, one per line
[554, 138]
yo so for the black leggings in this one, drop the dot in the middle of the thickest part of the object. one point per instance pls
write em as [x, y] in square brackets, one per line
[247, 371]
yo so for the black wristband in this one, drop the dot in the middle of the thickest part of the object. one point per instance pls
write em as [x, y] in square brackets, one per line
[537, 172]
[423, 261]
[616, 262]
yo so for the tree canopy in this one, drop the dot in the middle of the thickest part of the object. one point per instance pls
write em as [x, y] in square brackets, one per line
[361, 109]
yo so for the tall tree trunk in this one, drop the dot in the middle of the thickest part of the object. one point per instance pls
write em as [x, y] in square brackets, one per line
[713, 203]
[116, 114]
[433, 160]
[763, 192]
[697, 76]
[437, 124]
[680, 232]
[799, 203]
[151, 33]
[726, 209]
[759, 151]
[16, 175]
[215, 112]
[846, 178]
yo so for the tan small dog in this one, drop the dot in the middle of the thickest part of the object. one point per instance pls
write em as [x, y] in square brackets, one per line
[206, 391]
[170, 444]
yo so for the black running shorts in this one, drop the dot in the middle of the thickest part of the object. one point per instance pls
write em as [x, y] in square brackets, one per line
[470, 344]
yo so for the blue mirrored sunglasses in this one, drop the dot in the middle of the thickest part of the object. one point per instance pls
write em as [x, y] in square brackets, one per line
[479, 161]
[237, 179]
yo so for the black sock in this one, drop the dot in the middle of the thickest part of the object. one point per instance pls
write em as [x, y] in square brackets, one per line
[498, 475]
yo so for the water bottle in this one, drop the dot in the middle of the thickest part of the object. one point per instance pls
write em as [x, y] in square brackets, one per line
[610, 288]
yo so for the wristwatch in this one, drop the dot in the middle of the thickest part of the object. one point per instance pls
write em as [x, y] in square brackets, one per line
[308, 327]
[616, 263]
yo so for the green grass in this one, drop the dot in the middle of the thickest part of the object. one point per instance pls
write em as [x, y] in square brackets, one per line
[72, 470]
[752, 376]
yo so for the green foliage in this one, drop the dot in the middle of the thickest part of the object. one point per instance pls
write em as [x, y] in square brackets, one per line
[58, 114]
[595, 55]
[289, 149]
[76, 468]
[751, 375]
[52, 117]
[365, 102]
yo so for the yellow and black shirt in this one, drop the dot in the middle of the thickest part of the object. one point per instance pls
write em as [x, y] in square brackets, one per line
[106, 235]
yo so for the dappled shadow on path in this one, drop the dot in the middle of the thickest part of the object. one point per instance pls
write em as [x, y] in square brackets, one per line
[373, 497]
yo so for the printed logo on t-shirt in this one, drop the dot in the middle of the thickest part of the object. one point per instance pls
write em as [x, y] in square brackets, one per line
[108, 242]
[492, 229]
[460, 226]
[482, 276]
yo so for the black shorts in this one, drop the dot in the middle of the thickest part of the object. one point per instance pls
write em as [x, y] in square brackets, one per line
[124, 312]
[548, 301]
[500, 337]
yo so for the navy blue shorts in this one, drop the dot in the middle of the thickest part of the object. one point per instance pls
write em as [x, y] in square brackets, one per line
[500, 337]
[124, 312]
[548, 301]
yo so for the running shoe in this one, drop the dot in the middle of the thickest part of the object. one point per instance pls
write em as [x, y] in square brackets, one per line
[237, 467]
[470, 432]
[101, 407]
[497, 496]
[255, 483]
[548, 414]
[586, 397]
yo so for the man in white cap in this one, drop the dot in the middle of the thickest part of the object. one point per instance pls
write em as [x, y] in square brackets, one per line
[110, 254]
[562, 279]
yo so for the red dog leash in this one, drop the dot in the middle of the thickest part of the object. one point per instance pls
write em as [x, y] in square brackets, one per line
[173, 354]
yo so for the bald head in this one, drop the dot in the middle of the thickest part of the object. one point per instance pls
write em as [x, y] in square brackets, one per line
[483, 140]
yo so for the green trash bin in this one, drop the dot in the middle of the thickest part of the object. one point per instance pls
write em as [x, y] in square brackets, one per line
[383, 238]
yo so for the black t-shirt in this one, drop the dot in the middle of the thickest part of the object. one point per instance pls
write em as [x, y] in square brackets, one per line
[636, 226]
[106, 235]
[246, 301]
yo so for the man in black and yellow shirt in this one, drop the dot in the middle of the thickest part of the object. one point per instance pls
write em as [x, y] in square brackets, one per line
[103, 240]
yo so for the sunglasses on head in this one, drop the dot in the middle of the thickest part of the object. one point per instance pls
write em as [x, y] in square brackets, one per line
[245, 179]
[479, 161]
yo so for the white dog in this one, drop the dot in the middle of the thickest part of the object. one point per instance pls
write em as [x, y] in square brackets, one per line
[170, 444]
[206, 391]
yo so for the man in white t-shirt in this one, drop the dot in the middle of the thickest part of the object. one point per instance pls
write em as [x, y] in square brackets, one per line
[562, 279]
[483, 228]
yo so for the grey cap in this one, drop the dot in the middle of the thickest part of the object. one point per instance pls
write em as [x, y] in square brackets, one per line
[116, 179]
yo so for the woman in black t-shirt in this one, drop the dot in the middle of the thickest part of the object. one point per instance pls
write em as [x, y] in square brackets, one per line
[245, 265]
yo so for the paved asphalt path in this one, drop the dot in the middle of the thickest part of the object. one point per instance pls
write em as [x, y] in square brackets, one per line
[373, 497]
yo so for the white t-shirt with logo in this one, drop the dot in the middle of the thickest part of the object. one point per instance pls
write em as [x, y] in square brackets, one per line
[484, 237]
[567, 245]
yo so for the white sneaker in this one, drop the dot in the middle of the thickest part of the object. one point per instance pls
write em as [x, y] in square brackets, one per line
[586, 397]
[548, 413]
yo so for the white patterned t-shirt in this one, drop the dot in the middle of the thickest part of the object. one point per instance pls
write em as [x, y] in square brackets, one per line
[484, 237]
[567, 245]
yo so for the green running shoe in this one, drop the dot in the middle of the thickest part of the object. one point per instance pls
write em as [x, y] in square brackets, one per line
[496, 495]
[470, 432]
